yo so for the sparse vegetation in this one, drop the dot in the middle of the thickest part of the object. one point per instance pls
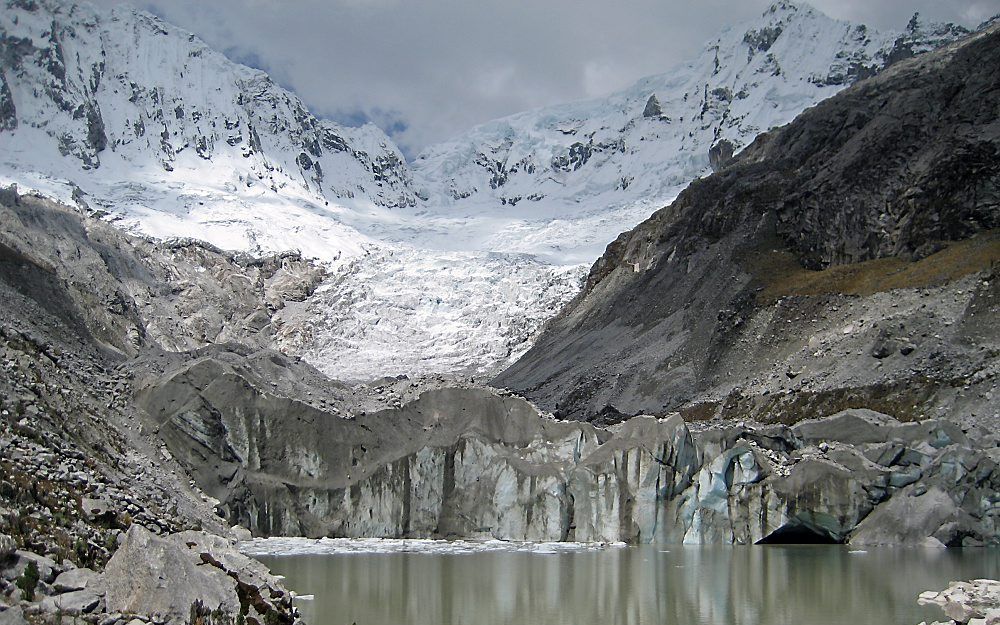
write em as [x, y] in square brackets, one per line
[907, 400]
[28, 581]
[782, 275]
[43, 519]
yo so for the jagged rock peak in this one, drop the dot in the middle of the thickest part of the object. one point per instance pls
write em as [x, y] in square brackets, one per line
[783, 7]
[989, 22]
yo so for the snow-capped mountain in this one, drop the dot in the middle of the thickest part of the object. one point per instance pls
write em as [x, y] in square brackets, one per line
[450, 264]
[153, 124]
[645, 141]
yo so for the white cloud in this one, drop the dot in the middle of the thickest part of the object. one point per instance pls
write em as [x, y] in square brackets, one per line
[434, 68]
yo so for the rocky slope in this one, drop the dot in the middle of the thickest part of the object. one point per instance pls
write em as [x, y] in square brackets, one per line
[77, 468]
[845, 260]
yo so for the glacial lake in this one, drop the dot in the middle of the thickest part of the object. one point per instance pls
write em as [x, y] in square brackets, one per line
[438, 583]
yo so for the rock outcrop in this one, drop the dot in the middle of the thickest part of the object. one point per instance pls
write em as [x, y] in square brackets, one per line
[973, 603]
[202, 570]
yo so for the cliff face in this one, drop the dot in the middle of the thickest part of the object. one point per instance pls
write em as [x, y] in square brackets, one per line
[460, 462]
[845, 260]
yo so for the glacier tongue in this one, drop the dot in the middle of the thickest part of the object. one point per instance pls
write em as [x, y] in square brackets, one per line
[448, 265]
[415, 312]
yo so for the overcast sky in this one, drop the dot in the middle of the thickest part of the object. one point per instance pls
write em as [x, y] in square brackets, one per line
[426, 70]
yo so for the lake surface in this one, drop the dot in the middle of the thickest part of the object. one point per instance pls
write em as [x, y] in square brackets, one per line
[423, 583]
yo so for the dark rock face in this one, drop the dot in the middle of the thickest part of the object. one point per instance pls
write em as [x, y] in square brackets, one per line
[652, 108]
[200, 568]
[8, 114]
[797, 257]
[721, 154]
[891, 164]
[761, 40]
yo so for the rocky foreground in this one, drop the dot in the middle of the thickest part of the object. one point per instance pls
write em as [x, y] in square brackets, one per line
[967, 603]
[188, 577]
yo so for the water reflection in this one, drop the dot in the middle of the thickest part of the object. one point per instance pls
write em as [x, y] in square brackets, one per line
[774, 585]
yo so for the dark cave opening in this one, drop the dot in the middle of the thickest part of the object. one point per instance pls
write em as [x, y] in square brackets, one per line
[798, 535]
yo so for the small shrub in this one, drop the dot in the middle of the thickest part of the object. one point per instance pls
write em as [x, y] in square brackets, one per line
[28, 581]
[198, 613]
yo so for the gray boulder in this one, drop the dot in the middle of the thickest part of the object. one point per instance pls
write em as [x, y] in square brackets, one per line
[72, 603]
[95, 508]
[855, 427]
[907, 519]
[78, 579]
[12, 616]
[161, 576]
[47, 568]
[239, 533]
[7, 546]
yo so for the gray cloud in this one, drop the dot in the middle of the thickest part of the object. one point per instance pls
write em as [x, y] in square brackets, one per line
[428, 70]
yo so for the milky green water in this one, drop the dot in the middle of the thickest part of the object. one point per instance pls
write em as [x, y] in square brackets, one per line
[779, 585]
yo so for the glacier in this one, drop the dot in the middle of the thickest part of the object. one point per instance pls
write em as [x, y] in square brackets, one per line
[447, 265]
